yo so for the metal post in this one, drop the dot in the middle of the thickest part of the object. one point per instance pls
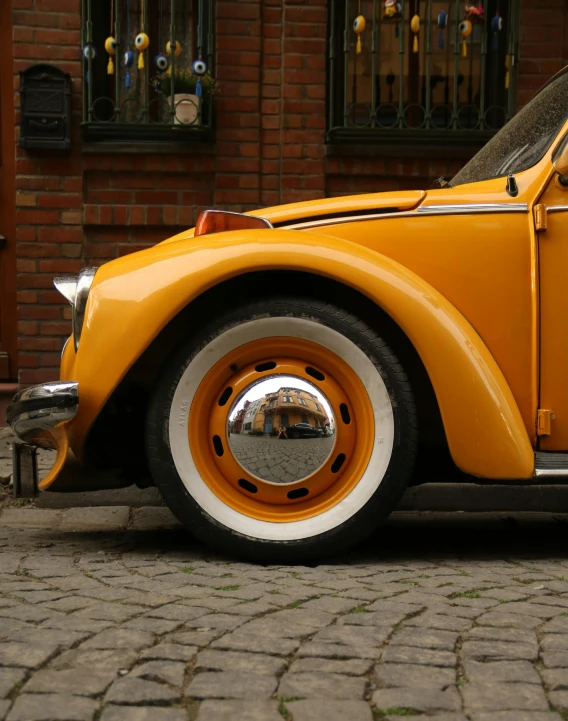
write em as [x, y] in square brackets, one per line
[346, 67]
[331, 64]
[374, 65]
[456, 69]
[401, 69]
[89, 61]
[428, 62]
[173, 59]
[483, 69]
[117, 64]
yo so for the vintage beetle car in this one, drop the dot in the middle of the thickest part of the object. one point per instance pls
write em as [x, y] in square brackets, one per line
[303, 430]
[429, 320]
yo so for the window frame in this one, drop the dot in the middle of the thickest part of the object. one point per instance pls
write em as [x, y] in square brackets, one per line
[339, 132]
[94, 130]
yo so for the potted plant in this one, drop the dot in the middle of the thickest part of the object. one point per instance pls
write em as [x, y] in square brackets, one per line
[186, 101]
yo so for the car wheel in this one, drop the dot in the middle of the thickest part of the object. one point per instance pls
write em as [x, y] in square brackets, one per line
[237, 507]
[295, 434]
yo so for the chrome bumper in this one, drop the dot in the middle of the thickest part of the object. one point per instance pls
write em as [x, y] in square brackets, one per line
[41, 408]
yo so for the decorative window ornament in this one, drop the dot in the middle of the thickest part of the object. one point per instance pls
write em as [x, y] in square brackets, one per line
[474, 13]
[142, 41]
[110, 47]
[442, 25]
[392, 10]
[89, 53]
[415, 27]
[465, 29]
[497, 27]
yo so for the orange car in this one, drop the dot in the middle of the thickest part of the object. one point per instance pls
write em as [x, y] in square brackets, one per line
[416, 327]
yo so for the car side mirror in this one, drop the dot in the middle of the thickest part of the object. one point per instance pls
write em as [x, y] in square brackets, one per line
[560, 161]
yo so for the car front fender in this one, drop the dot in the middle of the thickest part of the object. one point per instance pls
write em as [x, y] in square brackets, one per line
[134, 297]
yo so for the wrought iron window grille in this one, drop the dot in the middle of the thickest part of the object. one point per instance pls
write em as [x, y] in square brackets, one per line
[387, 81]
[125, 98]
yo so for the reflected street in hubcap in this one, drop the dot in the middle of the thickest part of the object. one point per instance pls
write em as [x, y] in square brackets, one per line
[281, 429]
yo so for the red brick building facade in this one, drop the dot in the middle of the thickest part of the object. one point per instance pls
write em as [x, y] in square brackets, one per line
[102, 200]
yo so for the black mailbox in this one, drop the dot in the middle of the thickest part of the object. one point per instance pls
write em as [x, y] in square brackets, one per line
[45, 108]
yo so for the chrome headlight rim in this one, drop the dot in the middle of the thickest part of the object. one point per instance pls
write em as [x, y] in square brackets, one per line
[76, 289]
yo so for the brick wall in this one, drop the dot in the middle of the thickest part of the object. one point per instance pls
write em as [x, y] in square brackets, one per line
[88, 207]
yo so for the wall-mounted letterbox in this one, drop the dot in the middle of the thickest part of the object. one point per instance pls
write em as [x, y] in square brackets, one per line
[45, 108]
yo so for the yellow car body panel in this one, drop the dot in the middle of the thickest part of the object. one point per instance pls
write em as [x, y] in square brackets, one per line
[134, 297]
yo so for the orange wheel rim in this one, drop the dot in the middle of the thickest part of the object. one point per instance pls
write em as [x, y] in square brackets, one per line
[230, 481]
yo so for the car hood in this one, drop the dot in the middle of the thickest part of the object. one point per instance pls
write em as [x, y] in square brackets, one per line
[282, 215]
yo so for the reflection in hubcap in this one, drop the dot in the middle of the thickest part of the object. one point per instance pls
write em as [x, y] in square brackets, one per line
[281, 429]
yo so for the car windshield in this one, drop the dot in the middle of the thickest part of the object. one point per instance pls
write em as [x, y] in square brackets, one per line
[525, 138]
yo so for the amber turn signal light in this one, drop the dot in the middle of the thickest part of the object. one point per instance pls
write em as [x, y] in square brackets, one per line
[217, 221]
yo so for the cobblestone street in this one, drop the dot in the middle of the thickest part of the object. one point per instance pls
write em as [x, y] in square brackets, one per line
[280, 461]
[117, 614]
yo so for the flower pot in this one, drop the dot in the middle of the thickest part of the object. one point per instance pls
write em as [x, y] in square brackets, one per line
[186, 109]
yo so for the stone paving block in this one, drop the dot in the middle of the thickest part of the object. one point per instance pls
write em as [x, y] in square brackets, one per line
[321, 685]
[115, 660]
[152, 518]
[516, 716]
[77, 681]
[555, 659]
[9, 677]
[410, 675]
[119, 638]
[554, 642]
[501, 671]
[30, 518]
[422, 699]
[503, 697]
[52, 707]
[439, 621]
[233, 711]
[443, 640]
[559, 699]
[507, 619]
[256, 644]
[555, 678]
[499, 650]
[102, 518]
[253, 663]
[171, 672]
[143, 713]
[423, 656]
[25, 655]
[170, 652]
[47, 636]
[556, 625]
[136, 691]
[231, 684]
[453, 716]
[4, 706]
[348, 667]
[322, 710]
[330, 604]
[515, 635]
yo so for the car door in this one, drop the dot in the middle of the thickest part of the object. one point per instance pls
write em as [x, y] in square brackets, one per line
[8, 334]
[551, 218]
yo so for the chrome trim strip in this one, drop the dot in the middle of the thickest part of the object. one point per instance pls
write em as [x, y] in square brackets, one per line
[48, 405]
[551, 472]
[474, 208]
[556, 208]
[418, 213]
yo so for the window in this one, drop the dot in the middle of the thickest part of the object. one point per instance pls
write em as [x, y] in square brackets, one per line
[284, 419]
[263, 406]
[247, 426]
[302, 401]
[304, 419]
[122, 100]
[456, 75]
[318, 407]
[287, 399]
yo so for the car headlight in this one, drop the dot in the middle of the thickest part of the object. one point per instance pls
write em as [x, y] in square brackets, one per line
[75, 289]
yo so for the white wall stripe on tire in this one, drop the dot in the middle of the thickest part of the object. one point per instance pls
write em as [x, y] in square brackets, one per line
[267, 328]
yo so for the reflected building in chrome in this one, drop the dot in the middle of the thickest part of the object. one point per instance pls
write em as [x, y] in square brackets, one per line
[284, 407]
